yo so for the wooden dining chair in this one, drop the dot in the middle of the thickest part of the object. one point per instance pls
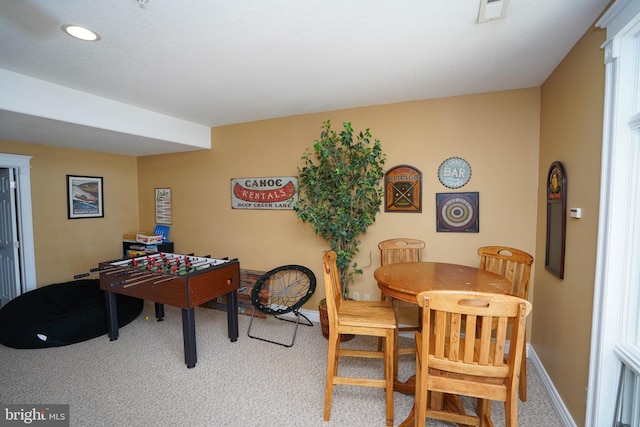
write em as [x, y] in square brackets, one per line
[371, 318]
[394, 251]
[456, 358]
[514, 265]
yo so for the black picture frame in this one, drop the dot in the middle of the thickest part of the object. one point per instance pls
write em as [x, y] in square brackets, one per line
[163, 206]
[85, 197]
[556, 219]
[458, 212]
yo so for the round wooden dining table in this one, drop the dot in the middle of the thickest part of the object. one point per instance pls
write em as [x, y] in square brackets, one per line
[404, 281]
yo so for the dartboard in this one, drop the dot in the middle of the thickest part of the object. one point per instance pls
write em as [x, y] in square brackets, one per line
[457, 212]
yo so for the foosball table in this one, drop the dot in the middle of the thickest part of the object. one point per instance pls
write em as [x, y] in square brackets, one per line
[183, 281]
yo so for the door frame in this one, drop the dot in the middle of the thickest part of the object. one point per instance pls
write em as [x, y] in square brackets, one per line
[27, 259]
[616, 297]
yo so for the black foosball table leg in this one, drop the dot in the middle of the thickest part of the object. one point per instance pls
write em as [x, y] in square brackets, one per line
[232, 315]
[112, 315]
[189, 336]
[159, 312]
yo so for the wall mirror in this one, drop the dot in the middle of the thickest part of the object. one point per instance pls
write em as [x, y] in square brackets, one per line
[556, 219]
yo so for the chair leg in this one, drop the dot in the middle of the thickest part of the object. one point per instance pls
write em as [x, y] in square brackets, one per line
[511, 409]
[253, 314]
[389, 372]
[484, 412]
[383, 297]
[297, 322]
[420, 404]
[332, 369]
[523, 374]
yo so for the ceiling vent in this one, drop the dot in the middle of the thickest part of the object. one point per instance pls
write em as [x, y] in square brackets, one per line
[492, 10]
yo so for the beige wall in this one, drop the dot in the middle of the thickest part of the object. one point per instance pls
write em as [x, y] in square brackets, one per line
[571, 132]
[65, 247]
[497, 133]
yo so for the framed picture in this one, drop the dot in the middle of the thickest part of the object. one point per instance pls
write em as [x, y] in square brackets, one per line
[84, 197]
[163, 206]
[458, 212]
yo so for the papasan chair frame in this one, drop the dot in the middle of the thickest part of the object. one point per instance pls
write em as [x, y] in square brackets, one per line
[283, 290]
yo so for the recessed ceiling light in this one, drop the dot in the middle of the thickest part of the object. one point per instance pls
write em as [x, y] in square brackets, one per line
[81, 32]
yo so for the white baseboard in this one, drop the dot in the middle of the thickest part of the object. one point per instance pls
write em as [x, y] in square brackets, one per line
[562, 410]
[312, 315]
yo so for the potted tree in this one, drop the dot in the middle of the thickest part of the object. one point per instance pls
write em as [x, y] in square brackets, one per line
[340, 192]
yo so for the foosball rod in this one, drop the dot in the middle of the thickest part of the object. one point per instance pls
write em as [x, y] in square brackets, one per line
[146, 276]
[93, 271]
[118, 269]
[150, 278]
[167, 261]
[180, 261]
[152, 258]
[125, 272]
[200, 264]
[142, 261]
[141, 275]
[172, 259]
[140, 280]
[136, 273]
[130, 267]
[166, 279]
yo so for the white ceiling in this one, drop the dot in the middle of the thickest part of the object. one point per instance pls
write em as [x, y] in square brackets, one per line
[215, 62]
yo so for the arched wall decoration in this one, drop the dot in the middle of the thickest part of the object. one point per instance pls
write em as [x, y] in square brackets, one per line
[556, 219]
[403, 189]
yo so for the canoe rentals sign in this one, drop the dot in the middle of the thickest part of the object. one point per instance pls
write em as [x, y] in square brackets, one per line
[263, 193]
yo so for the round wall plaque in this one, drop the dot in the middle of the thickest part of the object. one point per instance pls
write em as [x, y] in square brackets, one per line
[454, 172]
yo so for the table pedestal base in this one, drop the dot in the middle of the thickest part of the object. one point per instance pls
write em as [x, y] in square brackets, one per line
[450, 403]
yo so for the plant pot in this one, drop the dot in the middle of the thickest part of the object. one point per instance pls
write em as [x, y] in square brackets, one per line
[324, 322]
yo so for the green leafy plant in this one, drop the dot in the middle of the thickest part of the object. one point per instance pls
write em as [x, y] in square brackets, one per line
[340, 191]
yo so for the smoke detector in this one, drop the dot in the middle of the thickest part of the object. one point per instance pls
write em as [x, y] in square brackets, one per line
[492, 10]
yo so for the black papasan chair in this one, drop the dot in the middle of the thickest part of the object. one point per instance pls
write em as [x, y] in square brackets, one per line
[61, 314]
[283, 290]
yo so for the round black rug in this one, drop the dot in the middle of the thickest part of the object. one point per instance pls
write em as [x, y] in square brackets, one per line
[61, 314]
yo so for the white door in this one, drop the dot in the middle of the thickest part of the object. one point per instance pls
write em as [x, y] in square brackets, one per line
[9, 261]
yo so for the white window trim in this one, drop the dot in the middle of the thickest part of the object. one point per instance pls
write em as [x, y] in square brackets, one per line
[615, 298]
[25, 231]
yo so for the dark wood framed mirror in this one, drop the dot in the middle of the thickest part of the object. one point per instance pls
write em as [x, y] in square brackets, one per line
[556, 219]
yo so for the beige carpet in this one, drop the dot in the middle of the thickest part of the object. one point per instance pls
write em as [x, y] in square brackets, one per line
[141, 379]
